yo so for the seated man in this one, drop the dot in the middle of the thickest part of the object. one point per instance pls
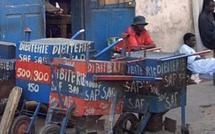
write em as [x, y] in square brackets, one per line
[196, 63]
[136, 36]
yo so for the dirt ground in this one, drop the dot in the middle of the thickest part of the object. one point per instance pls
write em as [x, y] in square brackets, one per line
[200, 109]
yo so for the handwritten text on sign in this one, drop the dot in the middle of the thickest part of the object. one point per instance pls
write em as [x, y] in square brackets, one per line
[42, 50]
[33, 72]
[94, 66]
[77, 84]
[157, 68]
[64, 46]
[79, 80]
[172, 81]
[106, 67]
[164, 102]
[86, 108]
[173, 73]
[7, 69]
[141, 87]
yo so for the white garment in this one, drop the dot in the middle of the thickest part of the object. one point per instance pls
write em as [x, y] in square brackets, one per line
[201, 66]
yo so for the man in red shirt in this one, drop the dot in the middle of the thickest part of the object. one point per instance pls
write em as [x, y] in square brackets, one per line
[136, 37]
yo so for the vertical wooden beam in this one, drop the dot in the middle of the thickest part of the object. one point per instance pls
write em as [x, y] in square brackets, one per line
[10, 110]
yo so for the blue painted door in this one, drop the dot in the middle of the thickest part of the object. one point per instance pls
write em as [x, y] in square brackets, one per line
[16, 15]
[104, 20]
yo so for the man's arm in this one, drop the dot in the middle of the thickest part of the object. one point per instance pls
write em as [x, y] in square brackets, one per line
[149, 43]
[149, 46]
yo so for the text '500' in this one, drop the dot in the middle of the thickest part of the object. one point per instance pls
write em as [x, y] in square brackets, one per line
[33, 72]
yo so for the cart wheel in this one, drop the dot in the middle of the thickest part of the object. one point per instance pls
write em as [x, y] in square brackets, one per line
[126, 124]
[50, 129]
[20, 125]
[80, 126]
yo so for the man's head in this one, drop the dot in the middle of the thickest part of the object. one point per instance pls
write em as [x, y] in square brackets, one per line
[139, 20]
[139, 23]
[209, 6]
[189, 39]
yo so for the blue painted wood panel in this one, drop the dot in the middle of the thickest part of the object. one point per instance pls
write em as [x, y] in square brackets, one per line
[16, 15]
[7, 50]
[34, 91]
[104, 21]
[156, 96]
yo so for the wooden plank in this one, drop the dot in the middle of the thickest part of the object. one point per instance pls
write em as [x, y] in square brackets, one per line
[10, 109]
[108, 2]
[116, 1]
[124, 78]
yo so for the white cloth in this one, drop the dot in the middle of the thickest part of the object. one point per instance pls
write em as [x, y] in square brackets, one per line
[200, 66]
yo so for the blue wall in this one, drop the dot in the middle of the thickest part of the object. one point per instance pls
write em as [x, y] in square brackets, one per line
[16, 15]
[99, 21]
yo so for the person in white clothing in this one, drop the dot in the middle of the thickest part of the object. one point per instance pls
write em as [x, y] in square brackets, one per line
[196, 63]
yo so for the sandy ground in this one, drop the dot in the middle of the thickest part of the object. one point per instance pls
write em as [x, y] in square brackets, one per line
[200, 109]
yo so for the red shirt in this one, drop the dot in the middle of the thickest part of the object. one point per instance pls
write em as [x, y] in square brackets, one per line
[133, 40]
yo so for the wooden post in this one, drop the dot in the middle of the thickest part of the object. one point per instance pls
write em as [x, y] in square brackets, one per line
[10, 109]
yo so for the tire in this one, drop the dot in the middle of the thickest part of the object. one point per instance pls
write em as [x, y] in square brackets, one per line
[80, 126]
[50, 129]
[121, 127]
[20, 125]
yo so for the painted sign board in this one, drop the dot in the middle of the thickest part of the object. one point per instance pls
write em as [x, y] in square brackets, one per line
[85, 107]
[77, 85]
[34, 79]
[158, 96]
[43, 50]
[78, 81]
[155, 104]
[7, 69]
[32, 73]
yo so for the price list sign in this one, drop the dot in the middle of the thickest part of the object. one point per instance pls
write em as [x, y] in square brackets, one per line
[35, 79]
[31, 71]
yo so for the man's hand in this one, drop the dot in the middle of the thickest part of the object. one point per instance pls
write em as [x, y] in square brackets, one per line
[124, 35]
[148, 46]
